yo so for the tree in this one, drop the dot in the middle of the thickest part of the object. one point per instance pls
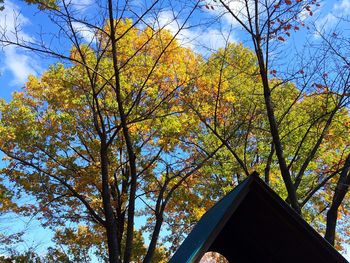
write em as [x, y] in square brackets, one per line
[131, 116]
[240, 122]
[269, 24]
[26, 257]
[97, 133]
[211, 257]
[333, 42]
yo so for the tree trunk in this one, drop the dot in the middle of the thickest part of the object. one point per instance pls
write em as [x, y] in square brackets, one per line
[111, 224]
[159, 210]
[263, 67]
[153, 243]
[268, 164]
[339, 195]
[127, 137]
[274, 131]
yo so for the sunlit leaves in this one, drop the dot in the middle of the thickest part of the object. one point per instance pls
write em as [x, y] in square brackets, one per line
[51, 131]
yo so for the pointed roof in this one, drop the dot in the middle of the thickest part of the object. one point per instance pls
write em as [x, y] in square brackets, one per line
[253, 224]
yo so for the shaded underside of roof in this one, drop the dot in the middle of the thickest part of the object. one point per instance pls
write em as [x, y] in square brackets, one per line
[197, 241]
[253, 224]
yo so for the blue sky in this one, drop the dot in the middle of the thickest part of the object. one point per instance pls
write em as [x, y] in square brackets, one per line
[16, 64]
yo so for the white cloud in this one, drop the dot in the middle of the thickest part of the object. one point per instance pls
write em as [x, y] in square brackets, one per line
[237, 7]
[168, 20]
[330, 19]
[82, 2]
[10, 19]
[325, 23]
[212, 39]
[20, 65]
[15, 61]
[81, 5]
[84, 31]
[343, 7]
[197, 38]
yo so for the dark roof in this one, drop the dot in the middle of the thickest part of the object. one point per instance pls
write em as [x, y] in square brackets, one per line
[253, 224]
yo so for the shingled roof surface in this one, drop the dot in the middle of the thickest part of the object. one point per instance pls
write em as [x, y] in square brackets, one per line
[253, 224]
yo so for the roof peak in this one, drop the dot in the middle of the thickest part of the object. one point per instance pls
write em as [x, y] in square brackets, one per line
[254, 219]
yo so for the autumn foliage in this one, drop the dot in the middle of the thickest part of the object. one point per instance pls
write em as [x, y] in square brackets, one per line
[123, 148]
